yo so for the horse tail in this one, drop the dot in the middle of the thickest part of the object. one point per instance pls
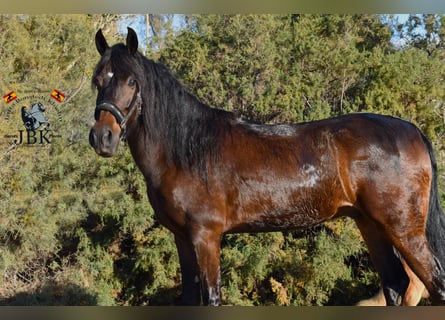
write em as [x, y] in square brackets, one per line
[435, 225]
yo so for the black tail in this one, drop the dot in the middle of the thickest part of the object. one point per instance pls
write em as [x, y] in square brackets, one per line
[435, 225]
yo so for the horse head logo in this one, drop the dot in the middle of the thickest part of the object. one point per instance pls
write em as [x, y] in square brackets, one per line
[35, 117]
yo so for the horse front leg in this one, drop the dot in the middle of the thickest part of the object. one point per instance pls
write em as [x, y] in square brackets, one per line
[207, 245]
[199, 258]
[191, 289]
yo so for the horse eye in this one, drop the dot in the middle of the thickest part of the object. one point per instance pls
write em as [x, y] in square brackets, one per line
[131, 82]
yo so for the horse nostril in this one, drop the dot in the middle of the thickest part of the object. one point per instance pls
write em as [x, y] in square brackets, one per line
[107, 137]
[93, 138]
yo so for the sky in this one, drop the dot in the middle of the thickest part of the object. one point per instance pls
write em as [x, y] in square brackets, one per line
[137, 22]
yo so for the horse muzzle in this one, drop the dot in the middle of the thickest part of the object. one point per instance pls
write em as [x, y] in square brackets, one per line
[104, 141]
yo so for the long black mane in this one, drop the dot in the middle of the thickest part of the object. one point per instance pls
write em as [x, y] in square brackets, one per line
[188, 129]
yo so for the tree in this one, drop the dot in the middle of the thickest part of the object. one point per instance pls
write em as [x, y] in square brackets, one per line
[278, 68]
[424, 31]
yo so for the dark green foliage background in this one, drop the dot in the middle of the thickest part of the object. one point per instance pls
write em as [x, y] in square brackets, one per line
[76, 229]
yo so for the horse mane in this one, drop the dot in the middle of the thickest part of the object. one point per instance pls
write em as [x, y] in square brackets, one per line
[189, 130]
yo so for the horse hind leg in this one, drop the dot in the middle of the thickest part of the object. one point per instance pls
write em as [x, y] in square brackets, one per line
[416, 289]
[406, 232]
[418, 255]
[407, 235]
[388, 265]
[414, 293]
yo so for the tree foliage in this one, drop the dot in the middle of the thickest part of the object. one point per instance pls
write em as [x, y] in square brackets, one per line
[76, 229]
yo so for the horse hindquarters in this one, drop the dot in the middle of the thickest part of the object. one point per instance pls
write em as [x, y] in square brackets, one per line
[407, 236]
[398, 198]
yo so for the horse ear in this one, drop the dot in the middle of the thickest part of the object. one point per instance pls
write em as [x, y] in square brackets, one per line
[101, 43]
[132, 41]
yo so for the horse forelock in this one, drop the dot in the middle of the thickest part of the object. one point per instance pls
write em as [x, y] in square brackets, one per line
[118, 62]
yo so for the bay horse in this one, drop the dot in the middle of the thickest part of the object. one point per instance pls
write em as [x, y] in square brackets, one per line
[209, 173]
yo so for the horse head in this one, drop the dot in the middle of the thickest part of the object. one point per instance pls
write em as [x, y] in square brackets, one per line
[118, 93]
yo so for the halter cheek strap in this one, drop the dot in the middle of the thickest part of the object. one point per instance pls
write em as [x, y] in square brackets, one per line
[121, 119]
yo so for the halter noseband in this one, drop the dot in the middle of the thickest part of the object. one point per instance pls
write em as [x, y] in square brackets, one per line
[121, 119]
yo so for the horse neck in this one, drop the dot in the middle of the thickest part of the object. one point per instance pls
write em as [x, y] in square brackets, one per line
[149, 156]
[157, 157]
[176, 129]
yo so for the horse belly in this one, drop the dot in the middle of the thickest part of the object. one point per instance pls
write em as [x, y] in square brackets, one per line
[286, 211]
[303, 215]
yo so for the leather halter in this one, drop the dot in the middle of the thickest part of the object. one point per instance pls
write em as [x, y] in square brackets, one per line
[121, 119]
